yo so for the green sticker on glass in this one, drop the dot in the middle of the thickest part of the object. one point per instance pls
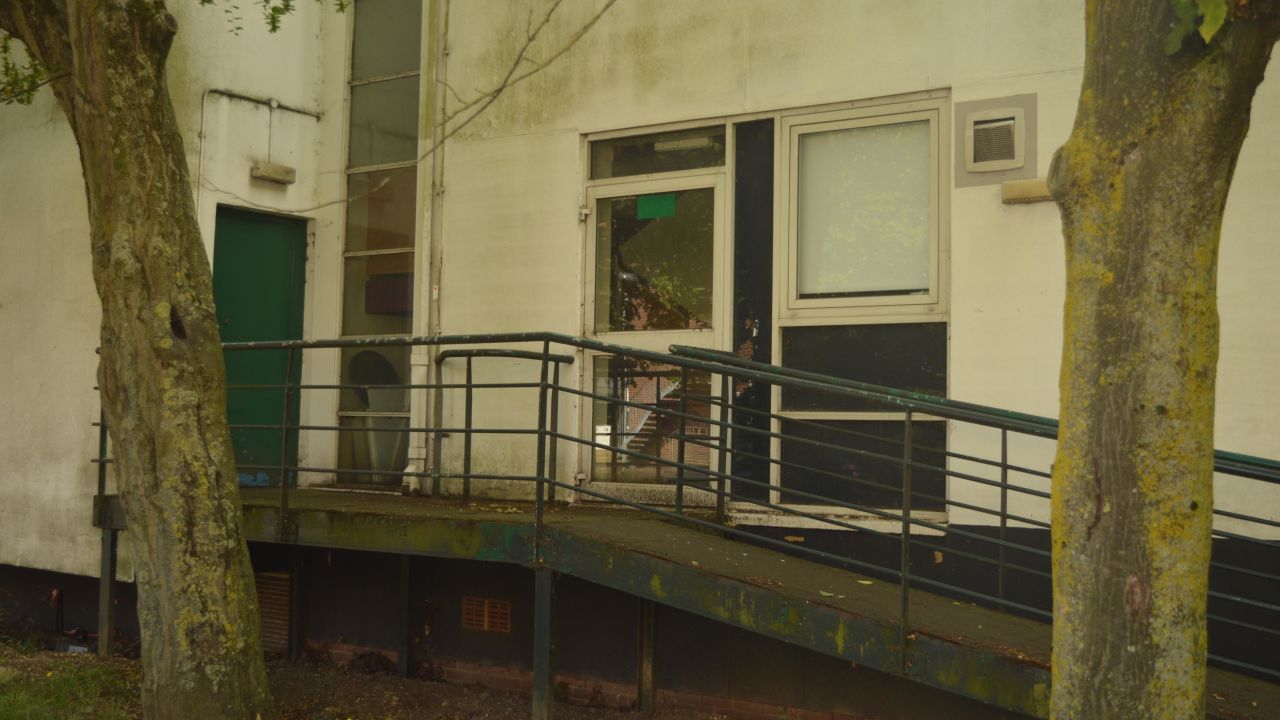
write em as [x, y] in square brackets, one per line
[660, 205]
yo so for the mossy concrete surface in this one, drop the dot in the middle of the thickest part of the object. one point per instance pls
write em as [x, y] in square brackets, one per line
[976, 652]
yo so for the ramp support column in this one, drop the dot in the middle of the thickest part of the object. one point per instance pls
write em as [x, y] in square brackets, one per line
[543, 594]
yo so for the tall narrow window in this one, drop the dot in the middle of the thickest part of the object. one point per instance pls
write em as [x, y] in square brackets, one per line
[378, 252]
[657, 203]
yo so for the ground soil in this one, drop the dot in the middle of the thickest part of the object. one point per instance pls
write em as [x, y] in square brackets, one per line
[303, 690]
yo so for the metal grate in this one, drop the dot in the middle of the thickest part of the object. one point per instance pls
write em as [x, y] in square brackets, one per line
[486, 614]
[993, 140]
[273, 605]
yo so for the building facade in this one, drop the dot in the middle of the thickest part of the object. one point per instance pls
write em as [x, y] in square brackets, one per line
[848, 188]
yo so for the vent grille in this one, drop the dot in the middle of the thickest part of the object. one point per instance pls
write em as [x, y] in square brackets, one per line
[486, 614]
[273, 606]
[993, 140]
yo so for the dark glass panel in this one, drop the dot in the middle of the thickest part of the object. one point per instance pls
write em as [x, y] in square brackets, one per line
[660, 152]
[907, 356]
[849, 472]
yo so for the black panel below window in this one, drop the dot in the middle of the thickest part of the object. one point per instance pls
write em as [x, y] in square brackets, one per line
[865, 467]
[906, 356]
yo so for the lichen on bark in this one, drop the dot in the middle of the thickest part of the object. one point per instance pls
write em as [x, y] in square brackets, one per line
[1141, 184]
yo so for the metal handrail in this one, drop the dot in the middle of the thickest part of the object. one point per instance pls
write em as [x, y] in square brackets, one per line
[726, 483]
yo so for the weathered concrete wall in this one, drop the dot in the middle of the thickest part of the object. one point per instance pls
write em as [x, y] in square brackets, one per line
[48, 308]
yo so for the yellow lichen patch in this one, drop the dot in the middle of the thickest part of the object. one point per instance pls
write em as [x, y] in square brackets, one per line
[655, 587]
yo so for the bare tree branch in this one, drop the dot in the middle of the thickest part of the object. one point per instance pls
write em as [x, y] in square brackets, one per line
[512, 78]
[484, 100]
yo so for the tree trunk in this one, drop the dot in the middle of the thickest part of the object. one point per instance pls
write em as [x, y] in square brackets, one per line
[1141, 185]
[161, 371]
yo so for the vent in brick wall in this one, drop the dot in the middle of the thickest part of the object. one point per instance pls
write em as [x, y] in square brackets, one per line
[486, 614]
[273, 604]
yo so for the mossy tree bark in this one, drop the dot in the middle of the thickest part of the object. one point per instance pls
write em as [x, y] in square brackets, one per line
[1141, 185]
[161, 371]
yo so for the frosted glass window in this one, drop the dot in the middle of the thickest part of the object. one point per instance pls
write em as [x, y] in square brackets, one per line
[386, 38]
[864, 213]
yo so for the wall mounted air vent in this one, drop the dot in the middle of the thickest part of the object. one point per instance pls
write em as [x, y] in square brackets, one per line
[994, 140]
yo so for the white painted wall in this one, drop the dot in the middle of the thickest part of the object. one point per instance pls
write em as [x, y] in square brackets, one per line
[48, 308]
[513, 182]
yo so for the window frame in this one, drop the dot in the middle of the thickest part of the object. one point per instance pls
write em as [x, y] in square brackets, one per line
[788, 309]
[413, 250]
[794, 125]
[659, 340]
[720, 179]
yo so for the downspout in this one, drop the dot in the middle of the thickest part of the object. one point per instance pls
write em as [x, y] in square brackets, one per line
[436, 69]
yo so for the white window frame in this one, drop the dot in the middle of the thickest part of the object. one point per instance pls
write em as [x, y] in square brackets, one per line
[660, 340]
[790, 310]
[415, 251]
[787, 157]
[719, 179]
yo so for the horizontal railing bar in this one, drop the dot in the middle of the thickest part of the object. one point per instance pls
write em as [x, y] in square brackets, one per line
[1241, 623]
[415, 430]
[1227, 462]
[502, 353]
[872, 484]
[1244, 571]
[923, 541]
[1249, 518]
[400, 386]
[974, 594]
[1243, 601]
[1030, 424]
[1244, 666]
[821, 498]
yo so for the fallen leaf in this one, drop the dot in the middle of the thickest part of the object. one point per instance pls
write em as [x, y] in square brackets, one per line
[793, 538]
[824, 593]
[864, 582]
[937, 557]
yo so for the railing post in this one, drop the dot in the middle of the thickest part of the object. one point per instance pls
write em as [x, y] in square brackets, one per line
[646, 689]
[904, 572]
[684, 408]
[722, 449]
[437, 440]
[543, 597]
[466, 438]
[555, 428]
[1004, 506]
[286, 417]
[541, 473]
[106, 590]
[110, 543]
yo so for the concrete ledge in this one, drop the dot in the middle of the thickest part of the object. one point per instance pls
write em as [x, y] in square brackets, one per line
[1018, 192]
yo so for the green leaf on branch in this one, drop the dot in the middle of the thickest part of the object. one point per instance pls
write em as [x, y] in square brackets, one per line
[1215, 16]
[1185, 13]
[18, 82]
[1205, 17]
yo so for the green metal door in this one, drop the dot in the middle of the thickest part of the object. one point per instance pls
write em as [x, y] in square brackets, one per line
[259, 264]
